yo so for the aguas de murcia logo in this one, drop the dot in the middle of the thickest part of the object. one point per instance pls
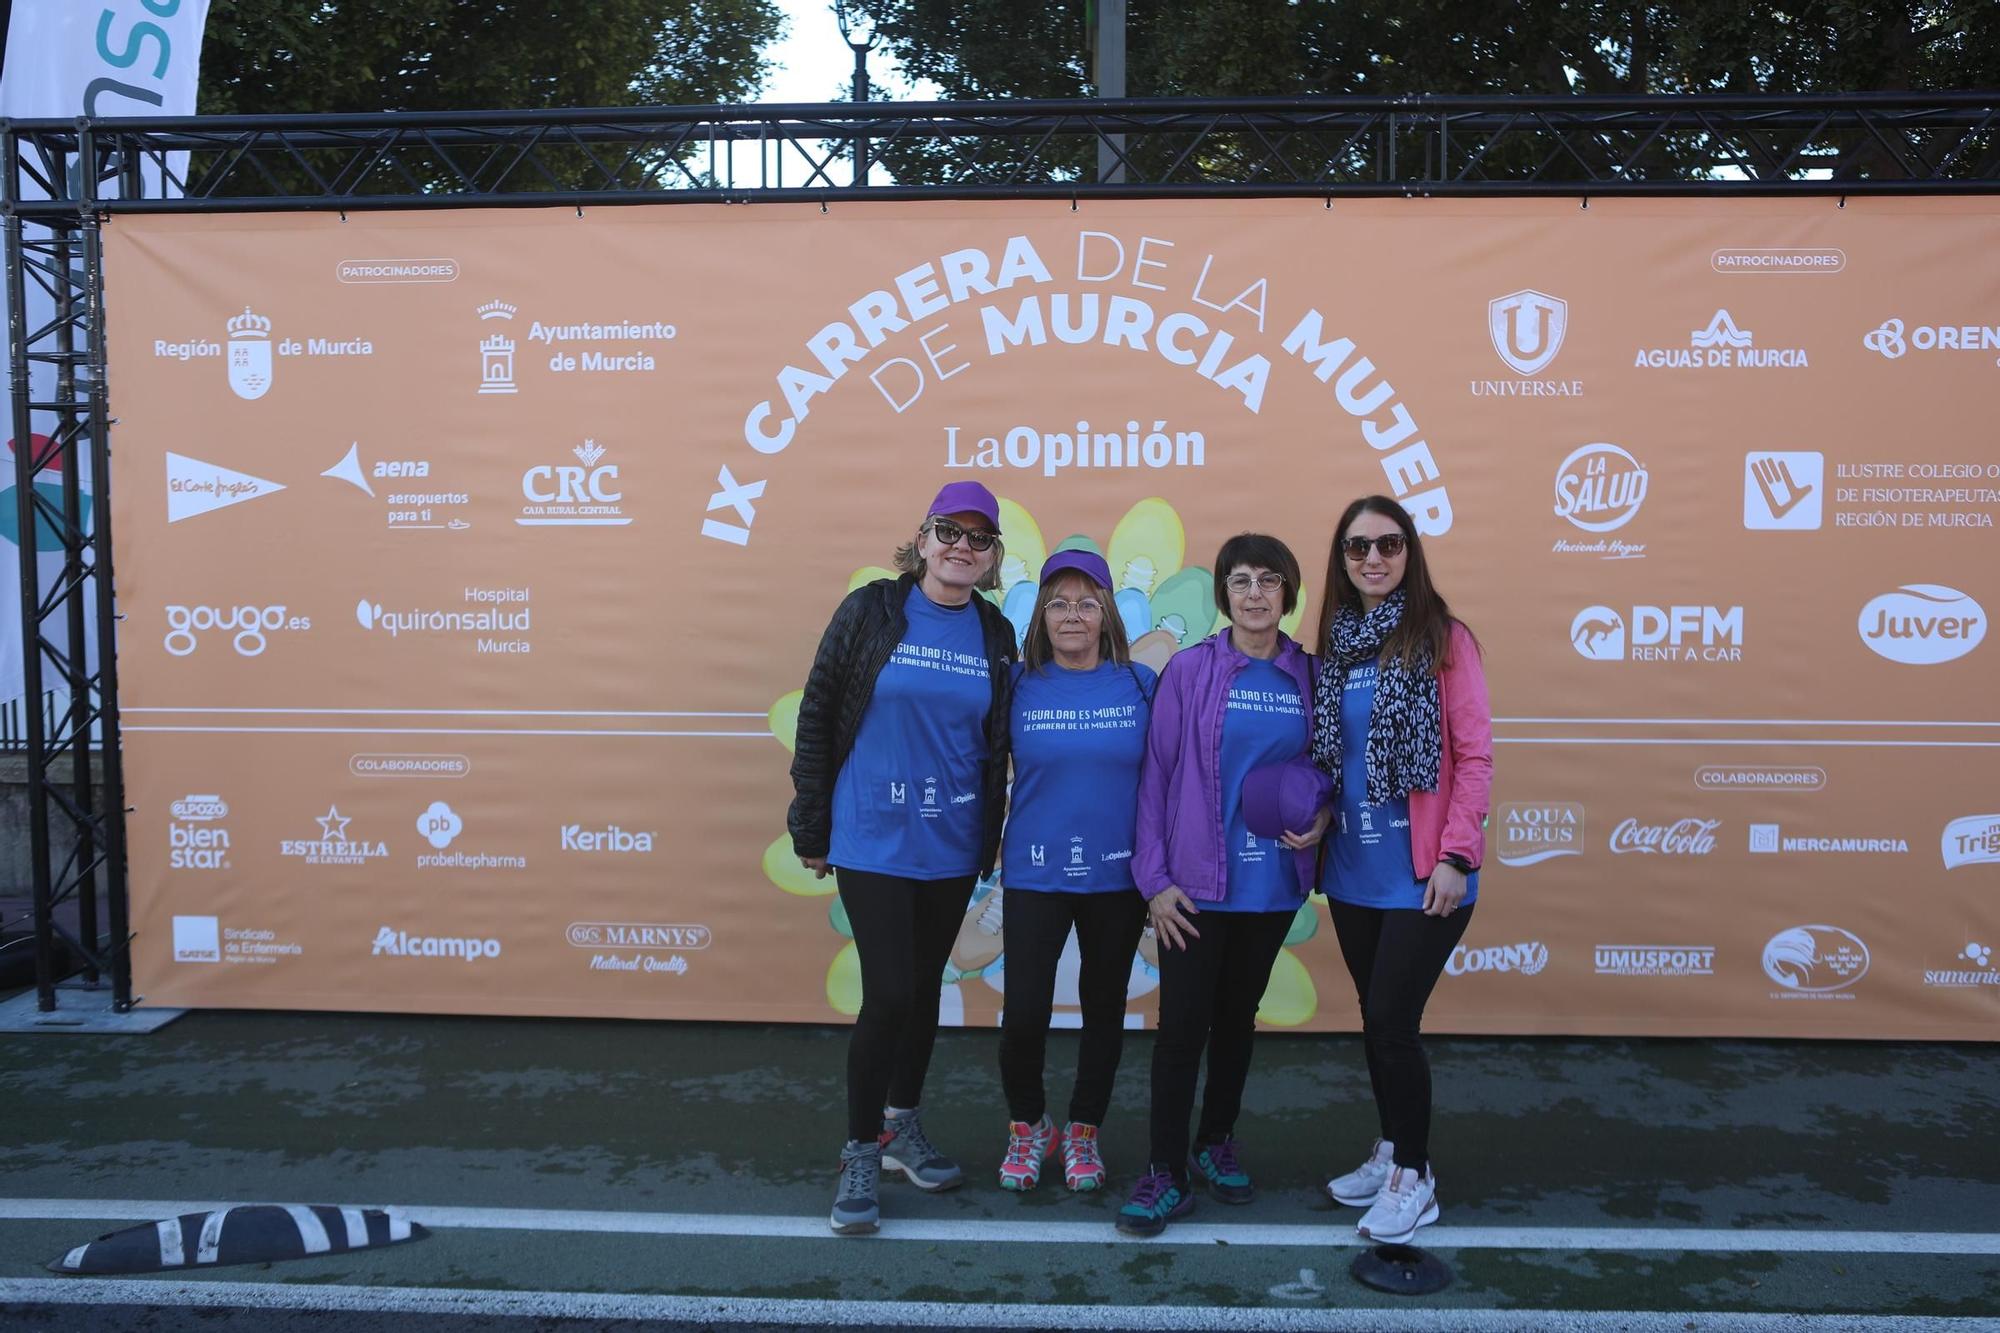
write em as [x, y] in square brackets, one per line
[1721, 345]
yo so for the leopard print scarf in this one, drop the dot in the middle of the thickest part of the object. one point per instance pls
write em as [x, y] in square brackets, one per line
[1404, 731]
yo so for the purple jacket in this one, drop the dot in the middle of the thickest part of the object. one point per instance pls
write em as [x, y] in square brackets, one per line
[1179, 840]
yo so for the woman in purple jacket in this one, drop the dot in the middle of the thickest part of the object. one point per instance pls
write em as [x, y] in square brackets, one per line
[1231, 704]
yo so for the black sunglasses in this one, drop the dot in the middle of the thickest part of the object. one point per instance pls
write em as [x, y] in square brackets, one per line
[1390, 544]
[948, 532]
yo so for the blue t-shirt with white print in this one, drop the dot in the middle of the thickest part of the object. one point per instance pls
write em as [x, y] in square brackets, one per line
[1264, 722]
[1078, 737]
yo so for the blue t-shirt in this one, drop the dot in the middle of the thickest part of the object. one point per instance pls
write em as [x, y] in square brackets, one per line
[1368, 860]
[1263, 723]
[1078, 737]
[908, 800]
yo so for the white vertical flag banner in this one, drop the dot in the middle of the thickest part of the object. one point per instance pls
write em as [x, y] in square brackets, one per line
[68, 58]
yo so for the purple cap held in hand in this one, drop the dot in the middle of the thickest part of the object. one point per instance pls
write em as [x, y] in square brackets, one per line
[1284, 798]
[967, 497]
[1087, 563]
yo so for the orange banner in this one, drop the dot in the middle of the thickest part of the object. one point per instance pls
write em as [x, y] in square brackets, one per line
[470, 563]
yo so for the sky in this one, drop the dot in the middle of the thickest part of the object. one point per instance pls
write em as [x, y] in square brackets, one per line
[813, 63]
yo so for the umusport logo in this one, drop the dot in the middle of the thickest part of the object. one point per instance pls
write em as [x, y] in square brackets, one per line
[1654, 960]
[394, 943]
[1817, 960]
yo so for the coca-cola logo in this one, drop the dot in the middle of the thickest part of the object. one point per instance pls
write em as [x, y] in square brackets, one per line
[1683, 837]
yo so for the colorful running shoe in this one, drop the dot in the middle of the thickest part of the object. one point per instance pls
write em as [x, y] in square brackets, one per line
[1027, 1148]
[1216, 1164]
[1157, 1200]
[1083, 1165]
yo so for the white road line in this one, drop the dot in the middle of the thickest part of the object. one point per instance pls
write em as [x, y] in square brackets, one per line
[1738, 722]
[168, 1293]
[1318, 1235]
[454, 731]
[446, 712]
[1789, 741]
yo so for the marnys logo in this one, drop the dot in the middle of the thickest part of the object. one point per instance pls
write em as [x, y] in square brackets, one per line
[195, 487]
[636, 935]
[1655, 960]
[407, 509]
[401, 944]
[567, 496]
[333, 847]
[1659, 634]
[1783, 492]
[1527, 959]
[1683, 837]
[1770, 838]
[577, 838]
[1922, 624]
[1981, 973]
[1534, 831]
[1971, 840]
[489, 619]
[1815, 962]
[1892, 339]
[249, 624]
[1599, 488]
[1720, 344]
[191, 845]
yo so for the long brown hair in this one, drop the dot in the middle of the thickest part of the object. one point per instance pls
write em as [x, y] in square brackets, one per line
[1425, 629]
[1111, 645]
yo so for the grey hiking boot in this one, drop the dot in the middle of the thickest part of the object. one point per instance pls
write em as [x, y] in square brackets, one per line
[855, 1212]
[906, 1148]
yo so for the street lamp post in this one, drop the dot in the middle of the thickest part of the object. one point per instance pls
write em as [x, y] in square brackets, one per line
[843, 16]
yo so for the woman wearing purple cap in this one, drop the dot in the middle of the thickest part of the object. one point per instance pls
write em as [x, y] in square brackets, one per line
[1080, 709]
[1220, 896]
[900, 779]
[1405, 730]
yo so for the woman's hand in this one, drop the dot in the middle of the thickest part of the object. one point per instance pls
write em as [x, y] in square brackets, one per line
[1298, 842]
[1165, 908]
[816, 864]
[1445, 891]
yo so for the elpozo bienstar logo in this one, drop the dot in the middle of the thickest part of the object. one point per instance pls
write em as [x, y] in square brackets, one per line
[1599, 489]
[1721, 345]
[1535, 831]
[1659, 634]
[1817, 962]
[1527, 328]
[1971, 840]
[1892, 339]
[196, 838]
[1922, 624]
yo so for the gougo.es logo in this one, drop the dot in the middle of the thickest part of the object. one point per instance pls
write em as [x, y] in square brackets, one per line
[248, 626]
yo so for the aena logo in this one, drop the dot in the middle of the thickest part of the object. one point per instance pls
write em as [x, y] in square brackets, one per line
[1922, 624]
[1527, 328]
[1600, 487]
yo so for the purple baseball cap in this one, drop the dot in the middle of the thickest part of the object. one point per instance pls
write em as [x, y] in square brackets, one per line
[967, 497]
[1087, 563]
[1284, 798]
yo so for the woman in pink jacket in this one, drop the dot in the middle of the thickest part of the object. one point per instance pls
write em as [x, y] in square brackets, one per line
[1402, 725]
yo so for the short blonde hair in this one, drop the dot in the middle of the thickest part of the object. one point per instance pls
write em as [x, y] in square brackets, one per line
[908, 561]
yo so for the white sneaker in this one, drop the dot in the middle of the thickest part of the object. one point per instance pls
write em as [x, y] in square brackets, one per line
[1358, 1187]
[1407, 1202]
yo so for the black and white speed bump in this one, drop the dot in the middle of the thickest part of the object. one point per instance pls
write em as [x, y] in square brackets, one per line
[245, 1234]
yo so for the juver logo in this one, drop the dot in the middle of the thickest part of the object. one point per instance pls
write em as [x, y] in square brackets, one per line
[1972, 840]
[1922, 624]
[1815, 959]
[1527, 328]
[250, 355]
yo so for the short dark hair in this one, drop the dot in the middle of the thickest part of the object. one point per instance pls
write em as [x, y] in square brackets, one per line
[1264, 552]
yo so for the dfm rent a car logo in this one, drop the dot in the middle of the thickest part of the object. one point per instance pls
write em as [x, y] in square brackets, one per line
[1922, 624]
[1526, 958]
[1971, 840]
[248, 626]
[1527, 328]
[1600, 487]
[1815, 960]
[1659, 634]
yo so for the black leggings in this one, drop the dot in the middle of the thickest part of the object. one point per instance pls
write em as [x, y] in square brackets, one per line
[1209, 993]
[1037, 925]
[1395, 956]
[903, 930]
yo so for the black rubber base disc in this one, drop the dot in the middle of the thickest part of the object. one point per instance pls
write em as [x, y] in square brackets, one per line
[1402, 1269]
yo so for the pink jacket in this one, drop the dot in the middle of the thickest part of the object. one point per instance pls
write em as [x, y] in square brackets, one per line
[1453, 818]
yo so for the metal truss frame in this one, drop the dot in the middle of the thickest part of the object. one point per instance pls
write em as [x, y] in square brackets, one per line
[62, 177]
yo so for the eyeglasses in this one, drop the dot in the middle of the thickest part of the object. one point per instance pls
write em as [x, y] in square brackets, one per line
[1089, 607]
[1242, 583]
[1390, 544]
[948, 532]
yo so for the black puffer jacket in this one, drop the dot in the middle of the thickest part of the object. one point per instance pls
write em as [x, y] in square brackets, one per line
[856, 646]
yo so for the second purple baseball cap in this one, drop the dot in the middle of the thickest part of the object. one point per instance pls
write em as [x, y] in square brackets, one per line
[1284, 798]
[967, 497]
[1088, 563]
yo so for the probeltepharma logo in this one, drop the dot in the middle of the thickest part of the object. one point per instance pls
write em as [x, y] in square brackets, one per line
[1922, 624]
[1971, 840]
[197, 939]
[1816, 962]
[495, 612]
[1655, 960]
[1978, 972]
[249, 627]
[1892, 339]
[577, 838]
[249, 354]
[195, 487]
[570, 496]
[1599, 489]
[440, 825]
[1770, 839]
[393, 943]
[1683, 837]
[1722, 344]
[196, 838]
[1525, 959]
[496, 350]
[1659, 634]
[1783, 492]
[333, 846]
[1536, 831]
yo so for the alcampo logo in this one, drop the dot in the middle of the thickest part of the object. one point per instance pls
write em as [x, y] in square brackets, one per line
[401, 944]
[1922, 624]
[249, 626]
[1815, 960]
[1971, 840]
[1600, 487]
[1659, 634]
[1527, 328]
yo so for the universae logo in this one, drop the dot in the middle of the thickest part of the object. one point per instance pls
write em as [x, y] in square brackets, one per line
[1527, 328]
